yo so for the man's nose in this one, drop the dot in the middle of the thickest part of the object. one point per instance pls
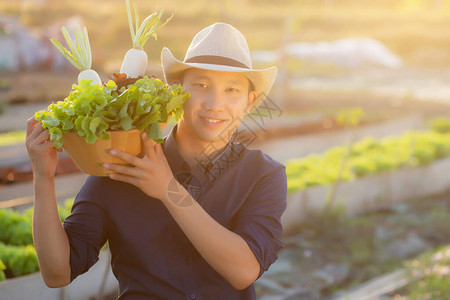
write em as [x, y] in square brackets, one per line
[214, 100]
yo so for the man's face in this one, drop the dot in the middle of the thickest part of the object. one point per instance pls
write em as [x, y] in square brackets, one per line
[219, 100]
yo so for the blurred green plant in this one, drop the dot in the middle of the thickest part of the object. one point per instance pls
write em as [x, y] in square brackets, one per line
[19, 260]
[16, 240]
[430, 275]
[368, 243]
[440, 124]
[348, 119]
[2, 270]
[12, 137]
[15, 228]
[367, 157]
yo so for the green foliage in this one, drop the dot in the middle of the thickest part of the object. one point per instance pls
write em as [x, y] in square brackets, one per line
[368, 157]
[315, 170]
[441, 125]
[432, 272]
[350, 117]
[79, 55]
[12, 137]
[17, 254]
[374, 244]
[141, 33]
[19, 260]
[65, 209]
[2, 270]
[92, 110]
[15, 229]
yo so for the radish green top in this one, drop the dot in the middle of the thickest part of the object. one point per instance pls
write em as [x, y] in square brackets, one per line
[79, 54]
[148, 28]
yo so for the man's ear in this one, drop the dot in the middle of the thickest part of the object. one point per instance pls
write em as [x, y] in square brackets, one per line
[250, 102]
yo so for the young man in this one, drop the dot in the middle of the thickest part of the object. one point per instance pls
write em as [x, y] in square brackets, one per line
[197, 217]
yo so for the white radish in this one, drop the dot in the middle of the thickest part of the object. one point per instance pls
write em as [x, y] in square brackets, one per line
[80, 55]
[90, 74]
[135, 61]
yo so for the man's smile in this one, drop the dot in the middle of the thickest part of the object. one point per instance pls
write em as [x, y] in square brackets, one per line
[210, 121]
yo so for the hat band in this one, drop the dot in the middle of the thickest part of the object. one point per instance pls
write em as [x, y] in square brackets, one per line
[216, 60]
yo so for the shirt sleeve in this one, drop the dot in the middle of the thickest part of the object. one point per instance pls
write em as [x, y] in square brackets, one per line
[86, 228]
[259, 220]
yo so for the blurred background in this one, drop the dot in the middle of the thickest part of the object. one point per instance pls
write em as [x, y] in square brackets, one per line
[359, 115]
[386, 47]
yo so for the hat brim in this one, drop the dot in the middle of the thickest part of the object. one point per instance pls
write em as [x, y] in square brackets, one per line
[262, 80]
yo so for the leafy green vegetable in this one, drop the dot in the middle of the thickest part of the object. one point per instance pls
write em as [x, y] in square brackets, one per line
[19, 260]
[79, 54]
[15, 228]
[141, 33]
[2, 269]
[92, 110]
[440, 124]
[17, 254]
[368, 157]
[12, 137]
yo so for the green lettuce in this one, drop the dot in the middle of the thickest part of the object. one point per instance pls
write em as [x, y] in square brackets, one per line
[92, 110]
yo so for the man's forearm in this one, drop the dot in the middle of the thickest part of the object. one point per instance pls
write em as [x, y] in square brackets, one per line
[50, 239]
[224, 250]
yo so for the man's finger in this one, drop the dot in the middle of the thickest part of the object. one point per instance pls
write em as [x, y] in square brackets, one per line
[45, 146]
[123, 169]
[127, 157]
[158, 150]
[43, 137]
[31, 122]
[35, 134]
[148, 146]
[123, 178]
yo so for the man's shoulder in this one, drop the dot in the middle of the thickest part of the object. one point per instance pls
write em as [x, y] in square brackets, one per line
[257, 158]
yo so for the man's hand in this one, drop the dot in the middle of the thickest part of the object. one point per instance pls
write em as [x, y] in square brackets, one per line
[43, 156]
[151, 173]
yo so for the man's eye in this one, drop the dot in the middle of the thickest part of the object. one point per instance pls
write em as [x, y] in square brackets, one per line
[198, 84]
[233, 90]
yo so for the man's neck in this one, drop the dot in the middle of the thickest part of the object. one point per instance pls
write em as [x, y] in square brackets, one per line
[195, 151]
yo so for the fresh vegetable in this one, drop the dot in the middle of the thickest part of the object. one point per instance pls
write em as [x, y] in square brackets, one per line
[12, 137]
[368, 157]
[15, 228]
[135, 61]
[440, 124]
[92, 110]
[2, 270]
[17, 254]
[79, 55]
[19, 260]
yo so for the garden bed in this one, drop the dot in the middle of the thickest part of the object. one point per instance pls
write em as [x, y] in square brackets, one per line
[369, 193]
[332, 254]
[86, 286]
[18, 263]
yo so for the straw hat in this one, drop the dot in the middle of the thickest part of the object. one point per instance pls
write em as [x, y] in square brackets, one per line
[220, 47]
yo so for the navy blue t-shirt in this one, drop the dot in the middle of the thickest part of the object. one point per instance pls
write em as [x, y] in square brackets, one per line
[243, 190]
